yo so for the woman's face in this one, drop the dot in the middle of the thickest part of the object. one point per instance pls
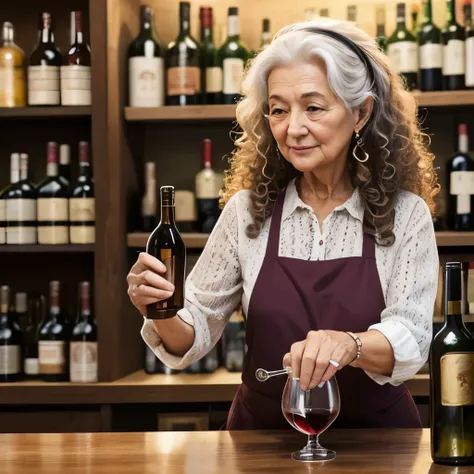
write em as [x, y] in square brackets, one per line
[310, 124]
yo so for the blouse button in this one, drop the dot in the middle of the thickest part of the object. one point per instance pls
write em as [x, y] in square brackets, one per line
[320, 242]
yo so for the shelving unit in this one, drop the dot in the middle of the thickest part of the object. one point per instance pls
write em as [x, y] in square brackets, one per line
[69, 248]
[44, 112]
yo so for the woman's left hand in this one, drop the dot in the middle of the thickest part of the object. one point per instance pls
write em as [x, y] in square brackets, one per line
[310, 359]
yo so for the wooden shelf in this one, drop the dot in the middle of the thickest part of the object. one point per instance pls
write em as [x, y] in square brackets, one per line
[454, 239]
[177, 113]
[69, 248]
[45, 112]
[444, 99]
[191, 240]
[140, 387]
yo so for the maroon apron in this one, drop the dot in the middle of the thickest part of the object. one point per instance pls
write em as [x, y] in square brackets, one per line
[292, 297]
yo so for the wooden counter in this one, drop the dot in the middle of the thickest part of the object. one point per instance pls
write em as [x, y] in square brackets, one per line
[217, 452]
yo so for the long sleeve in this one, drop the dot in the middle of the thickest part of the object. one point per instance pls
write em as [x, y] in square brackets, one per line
[407, 321]
[213, 291]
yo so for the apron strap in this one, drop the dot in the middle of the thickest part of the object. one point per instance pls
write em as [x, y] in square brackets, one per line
[368, 246]
[273, 244]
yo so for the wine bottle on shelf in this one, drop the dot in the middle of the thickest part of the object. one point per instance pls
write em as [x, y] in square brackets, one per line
[210, 362]
[454, 61]
[21, 310]
[54, 334]
[324, 12]
[166, 244]
[402, 50]
[234, 56]
[208, 185]
[183, 64]
[460, 185]
[72, 27]
[233, 343]
[20, 205]
[53, 207]
[82, 202]
[76, 74]
[10, 341]
[83, 348]
[469, 43]
[153, 365]
[380, 35]
[36, 313]
[452, 380]
[146, 65]
[149, 220]
[12, 70]
[431, 52]
[185, 207]
[65, 164]
[211, 69]
[43, 69]
[415, 10]
[352, 14]
[266, 35]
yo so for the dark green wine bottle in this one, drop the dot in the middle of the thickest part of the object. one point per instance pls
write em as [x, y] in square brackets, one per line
[452, 380]
[453, 51]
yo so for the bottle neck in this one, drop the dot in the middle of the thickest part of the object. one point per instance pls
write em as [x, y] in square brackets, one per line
[8, 34]
[450, 12]
[380, 30]
[168, 214]
[46, 35]
[85, 170]
[206, 34]
[79, 39]
[401, 21]
[233, 27]
[468, 15]
[184, 25]
[427, 12]
[463, 143]
[51, 169]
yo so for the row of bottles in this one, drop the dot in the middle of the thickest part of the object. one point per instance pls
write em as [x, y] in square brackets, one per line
[54, 211]
[46, 345]
[195, 211]
[53, 79]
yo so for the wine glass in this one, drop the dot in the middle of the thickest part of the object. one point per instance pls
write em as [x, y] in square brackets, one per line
[311, 412]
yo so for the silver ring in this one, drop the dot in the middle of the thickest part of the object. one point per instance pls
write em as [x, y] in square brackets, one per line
[334, 363]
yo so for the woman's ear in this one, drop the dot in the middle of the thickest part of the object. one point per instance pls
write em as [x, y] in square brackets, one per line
[364, 112]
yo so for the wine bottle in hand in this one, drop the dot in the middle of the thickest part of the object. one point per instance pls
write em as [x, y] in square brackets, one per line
[166, 244]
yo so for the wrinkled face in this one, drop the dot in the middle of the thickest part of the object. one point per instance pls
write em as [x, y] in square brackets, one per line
[309, 122]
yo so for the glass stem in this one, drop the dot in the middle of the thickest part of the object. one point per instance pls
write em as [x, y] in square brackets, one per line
[313, 444]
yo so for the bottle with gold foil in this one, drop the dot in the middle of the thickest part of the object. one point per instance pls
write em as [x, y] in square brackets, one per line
[12, 70]
[452, 380]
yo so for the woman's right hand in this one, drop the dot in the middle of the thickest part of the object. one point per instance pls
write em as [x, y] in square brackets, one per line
[145, 285]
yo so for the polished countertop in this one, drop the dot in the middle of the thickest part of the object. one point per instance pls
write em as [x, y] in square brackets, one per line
[218, 452]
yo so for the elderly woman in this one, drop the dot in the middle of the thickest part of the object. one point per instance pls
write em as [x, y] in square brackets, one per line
[326, 238]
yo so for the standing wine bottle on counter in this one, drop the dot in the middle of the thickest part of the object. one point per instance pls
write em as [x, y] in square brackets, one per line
[469, 32]
[83, 349]
[146, 65]
[82, 202]
[54, 334]
[380, 35]
[12, 70]
[208, 185]
[149, 220]
[183, 64]
[166, 244]
[211, 69]
[234, 56]
[76, 74]
[36, 313]
[20, 205]
[10, 341]
[431, 52]
[453, 51]
[43, 69]
[452, 380]
[402, 50]
[53, 207]
[460, 185]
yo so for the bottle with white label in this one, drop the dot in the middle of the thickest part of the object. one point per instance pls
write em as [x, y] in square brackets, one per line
[54, 334]
[211, 68]
[431, 52]
[83, 361]
[454, 55]
[469, 81]
[149, 209]
[402, 50]
[10, 341]
[234, 55]
[43, 69]
[20, 201]
[460, 186]
[146, 64]
[82, 203]
[53, 205]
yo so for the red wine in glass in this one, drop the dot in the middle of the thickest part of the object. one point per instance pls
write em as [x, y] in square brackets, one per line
[315, 421]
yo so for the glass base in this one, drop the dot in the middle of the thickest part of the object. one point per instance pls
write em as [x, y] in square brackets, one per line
[313, 455]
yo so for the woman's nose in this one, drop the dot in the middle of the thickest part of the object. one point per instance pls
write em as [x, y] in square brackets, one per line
[296, 126]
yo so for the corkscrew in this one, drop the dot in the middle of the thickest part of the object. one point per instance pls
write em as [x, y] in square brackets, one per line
[263, 375]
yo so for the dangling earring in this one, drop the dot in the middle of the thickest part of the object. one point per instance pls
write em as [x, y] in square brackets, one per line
[278, 153]
[358, 145]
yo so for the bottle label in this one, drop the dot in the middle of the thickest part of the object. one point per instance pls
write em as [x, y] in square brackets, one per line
[10, 360]
[52, 357]
[43, 85]
[82, 234]
[213, 79]
[81, 210]
[76, 85]
[463, 204]
[233, 71]
[233, 25]
[457, 379]
[146, 86]
[184, 81]
[21, 235]
[83, 360]
[208, 184]
[13, 90]
[53, 209]
[462, 183]
[53, 235]
[168, 260]
[470, 62]
[31, 366]
[2, 221]
[431, 56]
[185, 206]
[23, 210]
[454, 60]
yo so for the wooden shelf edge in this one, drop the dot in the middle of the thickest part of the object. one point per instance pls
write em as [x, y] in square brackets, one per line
[37, 248]
[192, 240]
[178, 113]
[455, 239]
[32, 112]
[444, 98]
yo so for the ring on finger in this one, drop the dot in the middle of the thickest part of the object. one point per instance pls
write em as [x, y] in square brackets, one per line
[334, 363]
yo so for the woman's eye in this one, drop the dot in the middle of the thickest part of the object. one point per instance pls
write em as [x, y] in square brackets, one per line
[277, 111]
[313, 108]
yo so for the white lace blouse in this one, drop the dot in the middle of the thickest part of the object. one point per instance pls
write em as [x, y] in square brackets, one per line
[225, 274]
